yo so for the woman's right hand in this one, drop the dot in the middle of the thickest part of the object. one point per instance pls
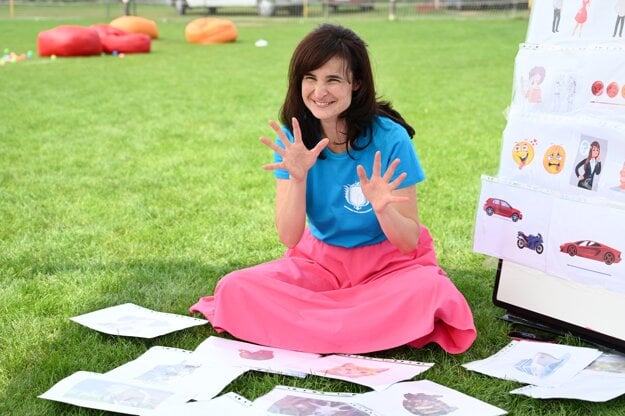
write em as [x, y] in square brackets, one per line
[296, 158]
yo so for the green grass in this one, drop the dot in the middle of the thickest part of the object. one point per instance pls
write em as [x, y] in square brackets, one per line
[139, 180]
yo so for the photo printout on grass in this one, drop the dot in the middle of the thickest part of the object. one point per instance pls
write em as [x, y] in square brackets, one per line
[172, 368]
[423, 398]
[251, 356]
[601, 381]
[229, 404]
[538, 363]
[131, 320]
[102, 392]
[283, 400]
[377, 373]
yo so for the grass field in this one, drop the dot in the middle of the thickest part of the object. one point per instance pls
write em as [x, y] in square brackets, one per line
[139, 180]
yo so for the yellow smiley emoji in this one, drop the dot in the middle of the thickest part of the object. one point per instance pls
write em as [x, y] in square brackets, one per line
[554, 159]
[523, 153]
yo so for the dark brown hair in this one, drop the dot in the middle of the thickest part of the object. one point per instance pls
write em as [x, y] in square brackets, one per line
[317, 48]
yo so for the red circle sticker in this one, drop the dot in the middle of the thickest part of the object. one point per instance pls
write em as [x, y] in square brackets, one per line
[597, 88]
[612, 89]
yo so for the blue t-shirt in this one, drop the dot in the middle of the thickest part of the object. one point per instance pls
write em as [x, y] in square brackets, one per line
[338, 212]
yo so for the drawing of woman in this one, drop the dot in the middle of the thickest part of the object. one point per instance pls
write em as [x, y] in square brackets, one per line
[581, 17]
[591, 166]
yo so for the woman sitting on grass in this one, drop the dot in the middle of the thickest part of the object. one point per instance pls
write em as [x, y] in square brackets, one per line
[360, 273]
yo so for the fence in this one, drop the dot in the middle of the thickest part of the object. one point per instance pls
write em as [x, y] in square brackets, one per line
[392, 9]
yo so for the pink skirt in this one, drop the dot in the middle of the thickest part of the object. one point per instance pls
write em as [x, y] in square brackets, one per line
[326, 299]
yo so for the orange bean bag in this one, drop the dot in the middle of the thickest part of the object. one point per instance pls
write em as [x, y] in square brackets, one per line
[136, 24]
[210, 30]
[126, 43]
[69, 40]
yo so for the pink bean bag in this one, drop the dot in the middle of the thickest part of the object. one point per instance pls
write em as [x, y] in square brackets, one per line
[69, 41]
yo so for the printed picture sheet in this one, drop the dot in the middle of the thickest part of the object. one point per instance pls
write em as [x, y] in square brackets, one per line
[376, 373]
[426, 397]
[537, 363]
[283, 400]
[579, 21]
[135, 321]
[602, 380]
[224, 351]
[99, 391]
[173, 368]
[229, 404]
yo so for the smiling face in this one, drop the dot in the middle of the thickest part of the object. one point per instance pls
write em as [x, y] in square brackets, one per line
[327, 92]
[523, 153]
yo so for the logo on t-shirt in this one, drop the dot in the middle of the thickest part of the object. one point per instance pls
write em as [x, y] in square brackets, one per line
[356, 199]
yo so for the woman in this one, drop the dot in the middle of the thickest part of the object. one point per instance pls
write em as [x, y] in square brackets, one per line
[360, 273]
[591, 166]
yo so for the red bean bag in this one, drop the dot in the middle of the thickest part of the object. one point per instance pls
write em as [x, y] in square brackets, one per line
[69, 41]
[210, 30]
[104, 29]
[136, 24]
[126, 43]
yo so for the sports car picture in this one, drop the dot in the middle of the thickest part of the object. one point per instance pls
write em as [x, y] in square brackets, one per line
[592, 250]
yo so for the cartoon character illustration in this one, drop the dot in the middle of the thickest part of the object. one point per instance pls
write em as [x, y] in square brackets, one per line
[622, 181]
[541, 365]
[591, 166]
[259, 355]
[554, 159]
[354, 371]
[523, 153]
[533, 242]
[557, 9]
[620, 18]
[422, 404]
[503, 208]
[304, 406]
[597, 88]
[581, 17]
[591, 250]
[532, 92]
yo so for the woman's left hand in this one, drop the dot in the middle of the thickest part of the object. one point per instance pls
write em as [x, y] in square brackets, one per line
[378, 189]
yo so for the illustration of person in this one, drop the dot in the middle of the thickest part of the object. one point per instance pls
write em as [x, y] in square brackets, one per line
[532, 93]
[557, 8]
[591, 166]
[620, 18]
[581, 17]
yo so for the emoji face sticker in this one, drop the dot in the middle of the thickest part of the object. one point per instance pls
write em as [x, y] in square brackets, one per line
[523, 153]
[352, 370]
[554, 159]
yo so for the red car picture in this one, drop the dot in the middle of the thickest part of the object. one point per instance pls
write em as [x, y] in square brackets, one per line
[503, 208]
[592, 250]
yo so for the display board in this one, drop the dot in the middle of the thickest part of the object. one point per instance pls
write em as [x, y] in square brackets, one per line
[555, 213]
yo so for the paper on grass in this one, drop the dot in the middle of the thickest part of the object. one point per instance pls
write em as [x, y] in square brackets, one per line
[132, 320]
[425, 397]
[377, 373]
[172, 368]
[538, 363]
[99, 391]
[251, 356]
[229, 404]
[601, 381]
[283, 400]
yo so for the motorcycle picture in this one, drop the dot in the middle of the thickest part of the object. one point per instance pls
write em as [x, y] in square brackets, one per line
[533, 242]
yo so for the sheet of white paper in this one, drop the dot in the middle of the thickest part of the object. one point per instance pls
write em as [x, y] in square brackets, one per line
[99, 391]
[538, 363]
[224, 351]
[135, 321]
[603, 380]
[229, 404]
[377, 373]
[283, 400]
[425, 397]
[171, 368]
